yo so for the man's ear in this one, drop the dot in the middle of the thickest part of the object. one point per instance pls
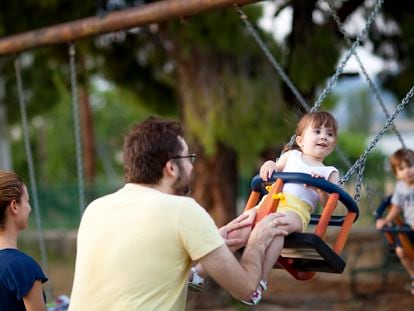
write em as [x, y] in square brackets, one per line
[170, 168]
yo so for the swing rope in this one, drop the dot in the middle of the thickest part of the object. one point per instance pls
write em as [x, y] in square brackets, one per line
[77, 127]
[32, 175]
[371, 84]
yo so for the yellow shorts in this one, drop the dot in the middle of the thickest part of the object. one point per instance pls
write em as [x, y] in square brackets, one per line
[294, 204]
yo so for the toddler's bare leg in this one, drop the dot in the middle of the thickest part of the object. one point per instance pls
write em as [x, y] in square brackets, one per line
[274, 250]
[406, 262]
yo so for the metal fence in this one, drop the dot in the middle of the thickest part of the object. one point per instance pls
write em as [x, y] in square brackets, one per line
[59, 204]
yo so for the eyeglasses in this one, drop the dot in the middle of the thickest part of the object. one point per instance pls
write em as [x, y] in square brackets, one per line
[192, 157]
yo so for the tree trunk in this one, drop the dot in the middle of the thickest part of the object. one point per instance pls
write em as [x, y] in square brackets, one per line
[215, 184]
[302, 30]
[215, 171]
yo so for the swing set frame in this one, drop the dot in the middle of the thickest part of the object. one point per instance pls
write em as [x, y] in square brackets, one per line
[155, 12]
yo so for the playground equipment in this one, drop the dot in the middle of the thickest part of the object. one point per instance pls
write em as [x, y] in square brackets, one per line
[396, 231]
[389, 262]
[298, 265]
[307, 253]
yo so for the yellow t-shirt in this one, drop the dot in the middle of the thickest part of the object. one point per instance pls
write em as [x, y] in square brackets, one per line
[134, 250]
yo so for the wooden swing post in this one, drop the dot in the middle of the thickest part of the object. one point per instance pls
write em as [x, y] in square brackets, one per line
[155, 12]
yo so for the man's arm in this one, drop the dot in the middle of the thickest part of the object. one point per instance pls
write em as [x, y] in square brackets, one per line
[241, 279]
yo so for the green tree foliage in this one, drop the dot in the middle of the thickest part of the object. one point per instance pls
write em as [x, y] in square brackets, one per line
[393, 41]
[205, 70]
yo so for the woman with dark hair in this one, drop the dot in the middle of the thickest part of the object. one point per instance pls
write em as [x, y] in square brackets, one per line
[21, 277]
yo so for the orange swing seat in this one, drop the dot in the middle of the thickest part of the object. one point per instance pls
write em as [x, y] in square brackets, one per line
[304, 254]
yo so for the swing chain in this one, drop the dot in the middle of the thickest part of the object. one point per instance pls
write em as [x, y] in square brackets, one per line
[282, 74]
[361, 161]
[371, 84]
[32, 175]
[332, 81]
[273, 61]
[76, 121]
[358, 186]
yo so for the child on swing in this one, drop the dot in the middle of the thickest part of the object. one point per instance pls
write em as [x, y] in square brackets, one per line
[402, 200]
[316, 135]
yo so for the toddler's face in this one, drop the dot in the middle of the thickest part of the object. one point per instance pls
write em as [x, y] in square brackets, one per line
[317, 142]
[405, 173]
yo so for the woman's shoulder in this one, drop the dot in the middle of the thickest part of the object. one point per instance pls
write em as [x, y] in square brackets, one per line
[15, 262]
[15, 256]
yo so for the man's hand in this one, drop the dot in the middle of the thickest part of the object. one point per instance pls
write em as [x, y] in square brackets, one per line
[267, 229]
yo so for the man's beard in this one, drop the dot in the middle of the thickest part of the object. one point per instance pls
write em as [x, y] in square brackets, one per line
[182, 185]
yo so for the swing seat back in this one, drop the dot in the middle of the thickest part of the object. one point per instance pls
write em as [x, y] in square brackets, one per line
[397, 230]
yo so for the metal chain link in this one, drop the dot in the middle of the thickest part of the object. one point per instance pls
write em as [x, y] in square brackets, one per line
[373, 88]
[77, 127]
[360, 179]
[271, 59]
[32, 175]
[332, 81]
[252, 31]
[361, 161]
[371, 84]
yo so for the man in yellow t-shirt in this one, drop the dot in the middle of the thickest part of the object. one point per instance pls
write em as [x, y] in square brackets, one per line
[135, 247]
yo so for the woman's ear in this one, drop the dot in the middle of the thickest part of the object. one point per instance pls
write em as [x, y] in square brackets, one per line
[14, 209]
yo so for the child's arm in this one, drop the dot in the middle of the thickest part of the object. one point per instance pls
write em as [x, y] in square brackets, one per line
[392, 214]
[267, 168]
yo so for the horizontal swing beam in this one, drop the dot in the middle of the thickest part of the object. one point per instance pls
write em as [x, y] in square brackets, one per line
[155, 12]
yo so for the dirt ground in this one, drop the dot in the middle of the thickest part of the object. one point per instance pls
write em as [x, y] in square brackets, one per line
[324, 292]
[329, 292]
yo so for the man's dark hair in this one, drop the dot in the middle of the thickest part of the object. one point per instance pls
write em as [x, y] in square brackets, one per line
[147, 148]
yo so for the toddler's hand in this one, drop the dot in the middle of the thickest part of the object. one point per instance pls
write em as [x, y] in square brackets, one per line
[267, 169]
[380, 223]
[315, 175]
